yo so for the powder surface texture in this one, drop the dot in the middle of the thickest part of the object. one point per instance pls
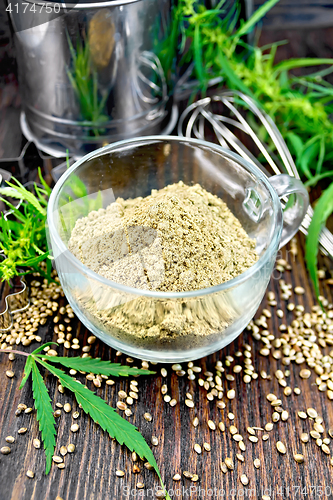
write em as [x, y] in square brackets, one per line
[180, 238]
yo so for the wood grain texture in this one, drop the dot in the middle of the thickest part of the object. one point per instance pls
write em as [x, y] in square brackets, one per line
[90, 471]
[298, 14]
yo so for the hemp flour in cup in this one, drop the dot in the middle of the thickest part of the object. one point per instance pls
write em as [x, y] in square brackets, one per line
[164, 246]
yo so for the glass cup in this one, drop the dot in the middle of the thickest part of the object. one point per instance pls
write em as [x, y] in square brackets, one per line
[174, 326]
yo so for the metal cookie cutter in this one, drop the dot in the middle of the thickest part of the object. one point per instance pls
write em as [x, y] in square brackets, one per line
[16, 301]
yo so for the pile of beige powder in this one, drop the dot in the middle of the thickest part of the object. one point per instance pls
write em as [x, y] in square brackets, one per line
[180, 238]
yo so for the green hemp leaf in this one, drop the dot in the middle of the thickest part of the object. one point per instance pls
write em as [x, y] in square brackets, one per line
[44, 414]
[322, 210]
[103, 414]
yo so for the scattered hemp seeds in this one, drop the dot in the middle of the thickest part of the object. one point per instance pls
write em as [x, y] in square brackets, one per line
[211, 425]
[154, 441]
[229, 463]
[281, 447]
[302, 341]
[63, 451]
[302, 415]
[207, 447]
[305, 373]
[244, 479]
[67, 408]
[197, 448]
[299, 458]
[305, 437]
[312, 413]
[36, 443]
[195, 422]
[224, 468]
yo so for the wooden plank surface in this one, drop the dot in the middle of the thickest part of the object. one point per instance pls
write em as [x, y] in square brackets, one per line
[90, 471]
[298, 14]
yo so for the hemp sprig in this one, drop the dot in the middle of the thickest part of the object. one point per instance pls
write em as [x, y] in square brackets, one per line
[23, 241]
[103, 414]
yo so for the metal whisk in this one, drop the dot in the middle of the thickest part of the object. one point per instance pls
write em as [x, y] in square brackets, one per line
[200, 121]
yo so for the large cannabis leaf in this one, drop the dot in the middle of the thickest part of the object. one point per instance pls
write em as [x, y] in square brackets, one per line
[116, 426]
[110, 421]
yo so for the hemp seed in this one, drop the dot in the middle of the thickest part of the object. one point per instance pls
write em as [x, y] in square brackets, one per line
[281, 447]
[299, 458]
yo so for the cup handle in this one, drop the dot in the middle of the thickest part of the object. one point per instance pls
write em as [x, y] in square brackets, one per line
[293, 215]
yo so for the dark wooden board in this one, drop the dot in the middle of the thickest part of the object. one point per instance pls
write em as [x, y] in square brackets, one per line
[297, 14]
[90, 471]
